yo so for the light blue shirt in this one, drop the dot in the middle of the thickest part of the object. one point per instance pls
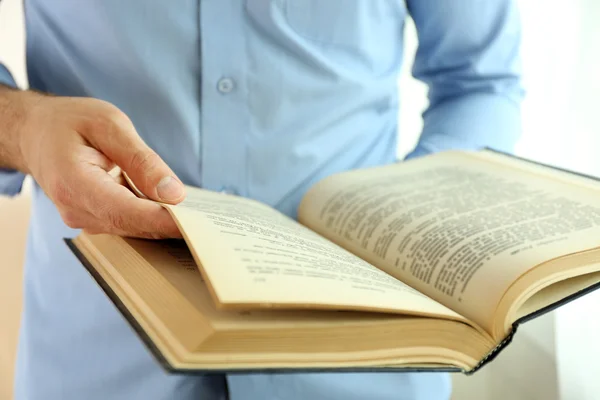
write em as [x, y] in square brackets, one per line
[257, 97]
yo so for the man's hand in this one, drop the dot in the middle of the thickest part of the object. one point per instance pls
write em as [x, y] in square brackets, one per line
[69, 145]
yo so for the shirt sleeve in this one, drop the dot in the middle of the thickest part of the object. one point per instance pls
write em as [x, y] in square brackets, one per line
[11, 181]
[469, 56]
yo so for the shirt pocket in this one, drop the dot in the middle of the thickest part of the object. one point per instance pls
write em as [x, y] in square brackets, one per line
[342, 24]
[346, 23]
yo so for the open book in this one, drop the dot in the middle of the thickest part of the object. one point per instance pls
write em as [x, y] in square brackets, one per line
[428, 264]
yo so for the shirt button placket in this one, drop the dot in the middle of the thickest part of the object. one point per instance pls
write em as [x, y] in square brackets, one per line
[225, 115]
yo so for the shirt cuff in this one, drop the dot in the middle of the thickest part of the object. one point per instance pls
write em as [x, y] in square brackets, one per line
[6, 78]
[11, 182]
[471, 122]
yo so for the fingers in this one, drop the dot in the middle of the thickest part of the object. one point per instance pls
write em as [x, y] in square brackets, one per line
[80, 219]
[104, 206]
[114, 135]
[122, 211]
[75, 147]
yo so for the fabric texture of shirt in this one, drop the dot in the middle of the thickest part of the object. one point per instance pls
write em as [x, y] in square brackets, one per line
[261, 98]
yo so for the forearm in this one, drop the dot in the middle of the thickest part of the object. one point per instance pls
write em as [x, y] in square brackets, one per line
[13, 109]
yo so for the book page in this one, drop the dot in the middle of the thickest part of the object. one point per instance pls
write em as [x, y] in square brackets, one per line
[253, 256]
[456, 227]
[159, 290]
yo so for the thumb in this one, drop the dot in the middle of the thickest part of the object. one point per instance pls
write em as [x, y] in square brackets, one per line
[149, 176]
[142, 167]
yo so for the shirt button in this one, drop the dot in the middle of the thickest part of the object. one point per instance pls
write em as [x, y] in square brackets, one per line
[225, 85]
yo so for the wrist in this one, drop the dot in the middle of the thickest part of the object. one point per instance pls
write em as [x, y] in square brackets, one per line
[15, 108]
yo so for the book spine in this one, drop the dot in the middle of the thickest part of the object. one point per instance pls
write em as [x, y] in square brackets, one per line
[492, 354]
[495, 351]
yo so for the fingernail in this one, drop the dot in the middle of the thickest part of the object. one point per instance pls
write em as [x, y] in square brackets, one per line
[169, 189]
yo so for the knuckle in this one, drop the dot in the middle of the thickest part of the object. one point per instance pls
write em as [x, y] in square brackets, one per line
[116, 221]
[71, 219]
[144, 160]
[61, 193]
[111, 120]
[118, 118]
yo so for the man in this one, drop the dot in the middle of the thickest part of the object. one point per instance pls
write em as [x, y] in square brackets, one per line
[261, 98]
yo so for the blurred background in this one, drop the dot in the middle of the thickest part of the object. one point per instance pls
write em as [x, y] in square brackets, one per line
[554, 357]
